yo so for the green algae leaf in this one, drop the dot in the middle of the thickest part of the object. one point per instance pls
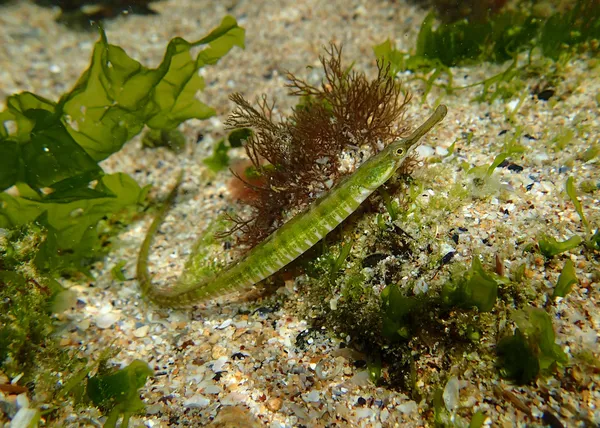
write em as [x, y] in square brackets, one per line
[496, 163]
[550, 247]
[117, 271]
[562, 32]
[16, 113]
[58, 145]
[48, 155]
[9, 163]
[374, 369]
[517, 359]
[537, 326]
[239, 136]
[396, 59]
[477, 288]
[572, 192]
[53, 156]
[117, 393]
[219, 159]
[532, 348]
[116, 96]
[566, 280]
[477, 420]
[396, 312]
[173, 139]
[453, 44]
[71, 223]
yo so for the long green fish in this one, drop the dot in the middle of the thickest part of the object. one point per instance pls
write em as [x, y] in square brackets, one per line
[292, 239]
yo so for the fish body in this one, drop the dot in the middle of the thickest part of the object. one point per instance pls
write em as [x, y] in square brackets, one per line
[292, 239]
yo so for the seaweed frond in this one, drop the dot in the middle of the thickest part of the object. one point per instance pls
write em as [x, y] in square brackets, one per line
[298, 158]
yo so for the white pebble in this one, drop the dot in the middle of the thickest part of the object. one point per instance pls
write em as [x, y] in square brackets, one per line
[363, 412]
[26, 418]
[142, 331]
[450, 395]
[83, 325]
[312, 396]
[425, 151]
[384, 415]
[512, 104]
[16, 379]
[361, 378]
[441, 151]
[540, 158]
[408, 407]
[107, 320]
[225, 324]
[212, 389]
[22, 401]
[196, 401]
[219, 363]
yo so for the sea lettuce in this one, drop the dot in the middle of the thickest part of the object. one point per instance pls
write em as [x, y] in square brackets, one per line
[58, 144]
[50, 150]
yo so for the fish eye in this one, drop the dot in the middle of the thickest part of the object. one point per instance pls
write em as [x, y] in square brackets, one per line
[400, 151]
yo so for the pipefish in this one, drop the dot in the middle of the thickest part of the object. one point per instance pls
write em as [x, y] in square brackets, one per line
[288, 242]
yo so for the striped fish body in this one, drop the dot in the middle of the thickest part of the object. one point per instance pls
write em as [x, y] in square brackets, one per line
[293, 238]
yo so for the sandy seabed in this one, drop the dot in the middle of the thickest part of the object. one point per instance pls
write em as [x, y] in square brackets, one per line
[227, 363]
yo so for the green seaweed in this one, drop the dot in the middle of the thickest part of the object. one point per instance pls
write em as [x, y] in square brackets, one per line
[173, 139]
[571, 30]
[498, 39]
[117, 271]
[477, 420]
[374, 368]
[50, 150]
[27, 301]
[550, 247]
[476, 288]
[219, 160]
[57, 145]
[62, 208]
[71, 220]
[441, 415]
[25, 322]
[396, 311]
[572, 192]
[531, 349]
[566, 280]
[391, 205]
[517, 359]
[220, 157]
[116, 392]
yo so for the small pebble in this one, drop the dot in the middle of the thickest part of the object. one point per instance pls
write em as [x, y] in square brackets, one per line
[425, 151]
[363, 412]
[225, 324]
[441, 151]
[196, 401]
[451, 394]
[219, 351]
[83, 325]
[212, 389]
[218, 364]
[274, 404]
[407, 408]
[141, 331]
[312, 397]
[22, 401]
[107, 320]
